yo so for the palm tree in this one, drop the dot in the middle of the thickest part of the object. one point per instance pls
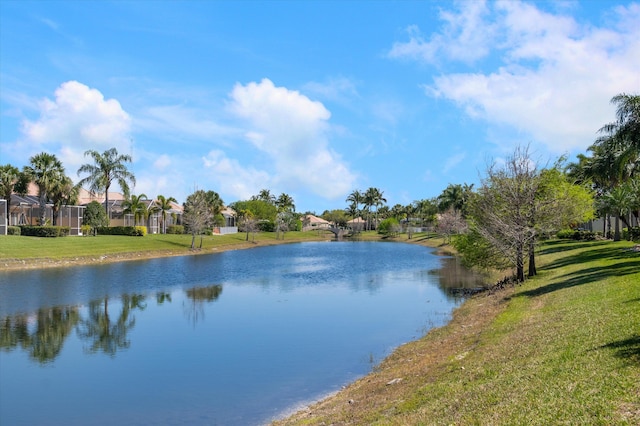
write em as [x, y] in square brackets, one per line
[46, 171]
[451, 198]
[355, 199]
[107, 168]
[373, 198]
[63, 193]
[618, 201]
[135, 205]
[285, 203]
[9, 178]
[266, 196]
[164, 205]
[627, 124]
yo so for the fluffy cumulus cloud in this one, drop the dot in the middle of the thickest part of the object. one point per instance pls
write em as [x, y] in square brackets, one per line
[78, 119]
[552, 77]
[290, 131]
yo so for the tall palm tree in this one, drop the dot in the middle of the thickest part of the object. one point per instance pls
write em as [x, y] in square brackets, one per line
[354, 199]
[107, 168]
[164, 205]
[45, 170]
[285, 203]
[135, 205]
[373, 197]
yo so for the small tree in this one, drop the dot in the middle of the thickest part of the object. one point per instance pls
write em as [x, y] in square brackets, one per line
[95, 216]
[451, 223]
[197, 215]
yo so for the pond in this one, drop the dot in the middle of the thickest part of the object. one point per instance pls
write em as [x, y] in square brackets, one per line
[239, 337]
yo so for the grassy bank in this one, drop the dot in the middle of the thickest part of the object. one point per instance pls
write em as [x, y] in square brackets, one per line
[563, 348]
[20, 251]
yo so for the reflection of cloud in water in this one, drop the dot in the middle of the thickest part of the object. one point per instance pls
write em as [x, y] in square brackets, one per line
[303, 265]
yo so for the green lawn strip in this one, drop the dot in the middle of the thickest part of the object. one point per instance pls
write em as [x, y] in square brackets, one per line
[566, 350]
[25, 248]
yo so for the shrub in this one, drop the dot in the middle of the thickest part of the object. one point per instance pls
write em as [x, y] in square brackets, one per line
[389, 226]
[631, 234]
[266, 226]
[131, 231]
[44, 231]
[570, 234]
[175, 229]
[85, 229]
[13, 230]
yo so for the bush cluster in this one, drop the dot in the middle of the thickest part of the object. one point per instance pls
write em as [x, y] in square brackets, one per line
[175, 229]
[572, 234]
[631, 234]
[131, 231]
[44, 231]
[13, 230]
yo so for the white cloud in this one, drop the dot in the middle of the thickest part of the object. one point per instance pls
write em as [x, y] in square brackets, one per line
[291, 130]
[180, 122]
[234, 179]
[339, 89]
[453, 161]
[466, 36]
[78, 119]
[162, 162]
[555, 76]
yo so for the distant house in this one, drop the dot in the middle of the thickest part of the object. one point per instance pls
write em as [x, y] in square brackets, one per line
[230, 225]
[119, 218]
[311, 222]
[356, 224]
[25, 210]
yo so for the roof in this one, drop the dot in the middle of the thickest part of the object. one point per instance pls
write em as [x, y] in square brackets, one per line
[315, 219]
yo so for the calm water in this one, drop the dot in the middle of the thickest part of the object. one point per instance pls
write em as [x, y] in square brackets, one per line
[232, 338]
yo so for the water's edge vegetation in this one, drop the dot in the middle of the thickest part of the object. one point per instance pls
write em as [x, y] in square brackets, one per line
[564, 347]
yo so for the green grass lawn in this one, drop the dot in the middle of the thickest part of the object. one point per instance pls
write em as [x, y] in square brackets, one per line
[563, 348]
[25, 248]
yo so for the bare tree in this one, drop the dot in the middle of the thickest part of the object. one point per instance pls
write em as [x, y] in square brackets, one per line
[197, 215]
[504, 209]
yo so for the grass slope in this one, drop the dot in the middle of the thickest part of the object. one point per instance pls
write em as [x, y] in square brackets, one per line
[20, 251]
[563, 348]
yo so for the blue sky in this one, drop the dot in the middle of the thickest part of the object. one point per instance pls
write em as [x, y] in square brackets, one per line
[310, 98]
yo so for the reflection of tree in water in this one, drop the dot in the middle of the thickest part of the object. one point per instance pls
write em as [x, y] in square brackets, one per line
[53, 326]
[452, 275]
[198, 297]
[105, 335]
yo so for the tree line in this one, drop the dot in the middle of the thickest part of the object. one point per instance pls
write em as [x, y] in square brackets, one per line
[497, 224]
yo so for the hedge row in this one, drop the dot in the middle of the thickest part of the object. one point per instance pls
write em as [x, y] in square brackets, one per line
[175, 229]
[131, 231]
[571, 234]
[13, 230]
[44, 231]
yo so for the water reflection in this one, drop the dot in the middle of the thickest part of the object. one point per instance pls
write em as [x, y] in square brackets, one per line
[103, 334]
[43, 334]
[293, 323]
[453, 277]
[198, 297]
